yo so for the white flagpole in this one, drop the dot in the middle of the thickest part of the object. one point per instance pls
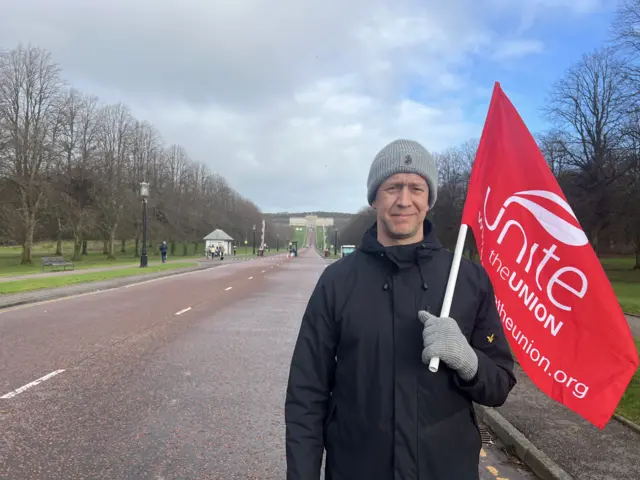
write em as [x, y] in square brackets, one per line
[434, 363]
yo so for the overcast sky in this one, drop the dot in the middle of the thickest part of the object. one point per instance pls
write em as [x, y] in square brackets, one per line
[290, 100]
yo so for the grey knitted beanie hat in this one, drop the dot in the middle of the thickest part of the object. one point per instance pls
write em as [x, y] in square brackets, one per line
[403, 156]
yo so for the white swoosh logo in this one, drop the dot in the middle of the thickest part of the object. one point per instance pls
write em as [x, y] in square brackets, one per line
[555, 226]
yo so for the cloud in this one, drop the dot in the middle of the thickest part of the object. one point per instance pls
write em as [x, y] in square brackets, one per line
[288, 100]
[531, 11]
[574, 6]
[515, 49]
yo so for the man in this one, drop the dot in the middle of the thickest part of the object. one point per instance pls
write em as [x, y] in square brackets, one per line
[163, 251]
[359, 384]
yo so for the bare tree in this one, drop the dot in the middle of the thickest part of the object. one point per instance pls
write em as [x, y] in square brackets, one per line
[452, 186]
[145, 145]
[628, 211]
[625, 36]
[78, 143]
[72, 167]
[553, 146]
[590, 104]
[177, 163]
[115, 150]
[353, 232]
[29, 91]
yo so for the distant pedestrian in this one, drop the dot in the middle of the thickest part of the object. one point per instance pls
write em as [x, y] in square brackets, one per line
[359, 384]
[163, 251]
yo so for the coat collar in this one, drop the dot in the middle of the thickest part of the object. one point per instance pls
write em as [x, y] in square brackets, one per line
[401, 255]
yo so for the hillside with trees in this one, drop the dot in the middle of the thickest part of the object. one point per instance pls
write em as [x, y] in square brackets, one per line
[281, 219]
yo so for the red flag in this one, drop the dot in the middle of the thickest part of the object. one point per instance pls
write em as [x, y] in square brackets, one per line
[558, 309]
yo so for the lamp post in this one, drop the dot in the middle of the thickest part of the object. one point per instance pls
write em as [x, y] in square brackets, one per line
[254, 239]
[335, 242]
[144, 193]
[278, 243]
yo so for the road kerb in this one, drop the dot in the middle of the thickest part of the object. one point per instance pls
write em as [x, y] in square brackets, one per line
[628, 423]
[534, 458]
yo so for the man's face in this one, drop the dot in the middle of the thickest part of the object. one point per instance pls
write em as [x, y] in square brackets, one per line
[402, 203]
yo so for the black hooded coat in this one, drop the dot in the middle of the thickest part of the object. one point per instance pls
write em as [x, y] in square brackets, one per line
[357, 385]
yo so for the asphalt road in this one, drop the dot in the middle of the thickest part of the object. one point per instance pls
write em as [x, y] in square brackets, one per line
[175, 378]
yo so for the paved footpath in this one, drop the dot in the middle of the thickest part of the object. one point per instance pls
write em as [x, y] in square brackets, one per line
[179, 378]
[634, 324]
[581, 449]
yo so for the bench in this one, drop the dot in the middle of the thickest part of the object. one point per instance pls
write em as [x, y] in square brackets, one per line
[54, 262]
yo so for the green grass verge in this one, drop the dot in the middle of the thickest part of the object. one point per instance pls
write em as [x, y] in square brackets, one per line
[629, 406]
[87, 265]
[10, 264]
[95, 258]
[249, 254]
[628, 295]
[299, 235]
[28, 285]
[625, 281]
[319, 239]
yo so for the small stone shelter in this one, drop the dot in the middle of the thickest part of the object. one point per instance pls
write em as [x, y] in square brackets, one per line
[219, 238]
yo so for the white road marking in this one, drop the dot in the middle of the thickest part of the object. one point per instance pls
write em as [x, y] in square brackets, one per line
[167, 277]
[183, 311]
[4, 310]
[227, 289]
[263, 271]
[250, 278]
[30, 384]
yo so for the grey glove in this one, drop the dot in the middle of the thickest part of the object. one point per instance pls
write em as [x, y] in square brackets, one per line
[442, 338]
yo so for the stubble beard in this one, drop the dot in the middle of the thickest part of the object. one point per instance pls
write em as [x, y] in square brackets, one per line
[388, 227]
